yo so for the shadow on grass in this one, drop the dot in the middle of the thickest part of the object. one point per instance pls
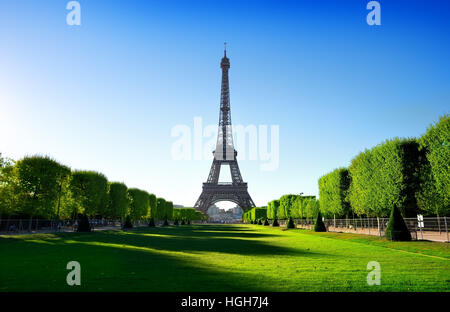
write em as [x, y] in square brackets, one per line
[219, 239]
[109, 262]
[106, 268]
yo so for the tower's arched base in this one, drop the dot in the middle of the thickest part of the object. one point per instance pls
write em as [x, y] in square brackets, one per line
[215, 192]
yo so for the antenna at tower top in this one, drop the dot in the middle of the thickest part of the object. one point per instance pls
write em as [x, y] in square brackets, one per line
[225, 48]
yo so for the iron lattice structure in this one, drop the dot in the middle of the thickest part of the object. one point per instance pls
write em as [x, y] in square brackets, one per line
[224, 154]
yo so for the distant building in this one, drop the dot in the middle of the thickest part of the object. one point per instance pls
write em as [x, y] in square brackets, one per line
[216, 214]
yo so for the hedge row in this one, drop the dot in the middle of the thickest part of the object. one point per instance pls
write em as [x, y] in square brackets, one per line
[38, 186]
[255, 214]
[294, 206]
[411, 174]
[187, 214]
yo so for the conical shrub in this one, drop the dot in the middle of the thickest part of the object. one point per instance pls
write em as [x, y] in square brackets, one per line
[166, 223]
[319, 226]
[275, 222]
[175, 222]
[128, 224]
[397, 229]
[182, 222]
[151, 223]
[266, 222]
[259, 222]
[290, 224]
[83, 223]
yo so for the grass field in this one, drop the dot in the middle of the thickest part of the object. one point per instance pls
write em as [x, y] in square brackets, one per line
[220, 258]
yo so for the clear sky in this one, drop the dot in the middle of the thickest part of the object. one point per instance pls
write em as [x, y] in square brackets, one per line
[106, 95]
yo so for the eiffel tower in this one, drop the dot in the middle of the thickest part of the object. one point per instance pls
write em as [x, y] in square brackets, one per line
[225, 154]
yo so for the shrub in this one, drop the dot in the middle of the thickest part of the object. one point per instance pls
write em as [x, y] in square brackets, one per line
[128, 224]
[175, 222]
[83, 223]
[319, 226]
[275, 222]
[266, 222]
[290, 224]
[165, 222]
[151, 223]
[259, 222]
[182, 222]
[397, 229]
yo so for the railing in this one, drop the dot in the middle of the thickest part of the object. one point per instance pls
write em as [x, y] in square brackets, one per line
[20, 226]
[433, 228]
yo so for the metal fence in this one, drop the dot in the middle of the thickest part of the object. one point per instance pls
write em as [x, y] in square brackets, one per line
[11, 226]
[21, 226]
[431, 228]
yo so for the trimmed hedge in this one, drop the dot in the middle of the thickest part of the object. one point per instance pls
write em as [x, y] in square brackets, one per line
[139, 203]
[128, 224]
[290, 224]
[83, 223]
[272, 208]
[319, 226]
[384, 176]
[397, 229]
[118, 200]
[333, 189]
[434, 197]
[286, 204]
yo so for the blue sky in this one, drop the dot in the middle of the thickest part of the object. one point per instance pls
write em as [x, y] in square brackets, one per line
[105, 95]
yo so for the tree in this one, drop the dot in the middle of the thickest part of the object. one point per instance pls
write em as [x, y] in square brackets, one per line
[89, 191]
[333, 190]
[435, 195]
[319, 226]
[168, 211]
[38, 185]
[118, 200]
[257, 213]
[286, 204]
[139, 203]
[160, 209]
[8, 187]
[397, 229]
[187, 214]
[152, 205]
[272, 208]
[311, 207]
[386, 175]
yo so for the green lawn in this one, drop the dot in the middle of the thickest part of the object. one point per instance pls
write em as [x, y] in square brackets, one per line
[220, 258]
